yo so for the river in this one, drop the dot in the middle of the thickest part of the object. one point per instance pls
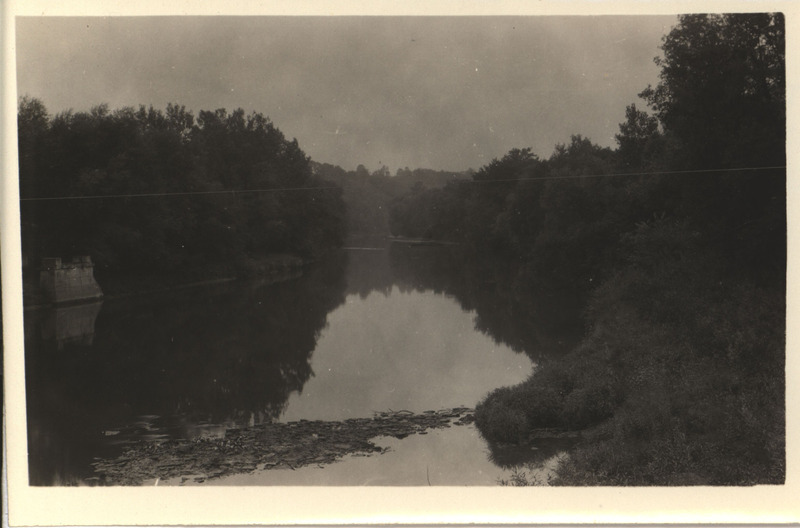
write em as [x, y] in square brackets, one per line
[377, 328]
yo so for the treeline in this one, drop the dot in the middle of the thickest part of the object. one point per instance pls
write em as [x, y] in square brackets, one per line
[162, 192]
[679, 237]
[369, 195]
[711, 153]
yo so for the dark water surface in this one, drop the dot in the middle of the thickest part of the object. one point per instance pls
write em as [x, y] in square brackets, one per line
[372, 329]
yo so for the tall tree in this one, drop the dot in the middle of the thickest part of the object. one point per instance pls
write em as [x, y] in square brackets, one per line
[721, 101]
[722, 89]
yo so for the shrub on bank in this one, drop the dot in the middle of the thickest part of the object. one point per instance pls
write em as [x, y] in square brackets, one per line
[678, 381]
[502, 418]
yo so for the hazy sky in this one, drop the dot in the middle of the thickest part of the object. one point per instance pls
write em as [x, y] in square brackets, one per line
[438, 92]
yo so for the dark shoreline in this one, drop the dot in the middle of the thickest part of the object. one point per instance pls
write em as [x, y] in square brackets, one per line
[272, 269]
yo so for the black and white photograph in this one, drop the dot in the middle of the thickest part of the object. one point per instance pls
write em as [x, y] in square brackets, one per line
[399, 251]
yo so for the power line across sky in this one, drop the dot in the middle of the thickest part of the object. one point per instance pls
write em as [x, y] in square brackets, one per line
[331, 187]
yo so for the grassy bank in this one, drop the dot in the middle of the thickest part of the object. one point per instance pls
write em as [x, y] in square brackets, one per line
[679, 379]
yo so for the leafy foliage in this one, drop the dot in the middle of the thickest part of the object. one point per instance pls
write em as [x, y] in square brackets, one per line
[722, 90]
[167, 193]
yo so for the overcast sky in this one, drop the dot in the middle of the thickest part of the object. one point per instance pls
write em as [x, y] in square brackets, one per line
[437, 92]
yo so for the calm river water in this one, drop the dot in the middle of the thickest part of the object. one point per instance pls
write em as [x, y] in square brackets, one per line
[376, 328]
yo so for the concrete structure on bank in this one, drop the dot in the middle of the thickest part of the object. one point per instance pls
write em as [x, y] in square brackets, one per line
[68, 282]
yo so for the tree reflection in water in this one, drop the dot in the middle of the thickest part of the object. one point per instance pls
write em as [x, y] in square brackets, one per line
[166, 364]
[194, 363]
[509, 305]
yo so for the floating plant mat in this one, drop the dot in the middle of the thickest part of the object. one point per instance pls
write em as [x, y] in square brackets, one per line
[269, 446]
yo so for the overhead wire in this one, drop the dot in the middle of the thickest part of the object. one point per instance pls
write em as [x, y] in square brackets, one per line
[330, 187]
[651, 173]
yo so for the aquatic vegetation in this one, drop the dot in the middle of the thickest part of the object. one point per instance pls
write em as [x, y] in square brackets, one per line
[268, 447]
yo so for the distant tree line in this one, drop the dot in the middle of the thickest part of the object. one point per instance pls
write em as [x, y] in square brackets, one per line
[151, 191]
[677, 238]
[369, 195]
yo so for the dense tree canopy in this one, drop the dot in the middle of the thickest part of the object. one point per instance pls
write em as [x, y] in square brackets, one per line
[152, 191]
[721, 102]
[712, 153]
[721, 93]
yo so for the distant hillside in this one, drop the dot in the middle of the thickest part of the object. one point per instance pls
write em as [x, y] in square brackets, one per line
[430, 178]
[369, 196]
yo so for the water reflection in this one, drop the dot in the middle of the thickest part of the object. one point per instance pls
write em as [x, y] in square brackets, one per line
[366, 330]
[508, 308]
[168, 364]
[509, 456]
[444, 457]
[70, 324]
[536, 321]
[411, 351]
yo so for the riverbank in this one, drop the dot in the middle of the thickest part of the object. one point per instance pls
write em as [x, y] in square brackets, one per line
[273, 268]
[269, 446]
[679, 379]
